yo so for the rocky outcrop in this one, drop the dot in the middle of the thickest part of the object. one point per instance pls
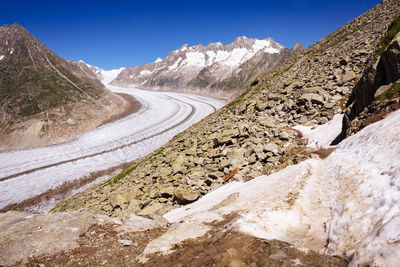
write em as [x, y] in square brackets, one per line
[378, 88]
[217, 70]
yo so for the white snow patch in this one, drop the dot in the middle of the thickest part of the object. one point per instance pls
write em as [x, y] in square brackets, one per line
[173, 236]
[222, 55]
[1, 57]
[175, 65]
[12, 51]
[271, 50]
[259, 44]
[195, 59]
[237, 56]
[269, 208]
[145, 72]
[109, 75]
[211, 57]
[322, 135]
[365, 221]
[158, 60]
[352, 199]
[193, 227]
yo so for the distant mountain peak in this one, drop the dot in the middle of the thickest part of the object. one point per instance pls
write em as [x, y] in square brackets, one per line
[200, 66]
[183, 47]
[298, 46]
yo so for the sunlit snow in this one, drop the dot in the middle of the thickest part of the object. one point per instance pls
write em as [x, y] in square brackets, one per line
[211, 57]
[145, 72]
[322, 135]
[347, 204]
[175, 65]
[195, 59]
[260, 44]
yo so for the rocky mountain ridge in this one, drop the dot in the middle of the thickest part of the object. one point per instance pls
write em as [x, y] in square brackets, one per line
[215, 69]
[39, 90]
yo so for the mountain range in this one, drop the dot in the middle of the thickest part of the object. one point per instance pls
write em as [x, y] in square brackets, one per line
[216, 69]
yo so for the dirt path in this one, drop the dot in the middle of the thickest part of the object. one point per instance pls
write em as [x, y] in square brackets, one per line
[103, 245]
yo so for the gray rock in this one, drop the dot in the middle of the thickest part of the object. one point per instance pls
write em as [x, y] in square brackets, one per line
[313, 98]
[125, 242]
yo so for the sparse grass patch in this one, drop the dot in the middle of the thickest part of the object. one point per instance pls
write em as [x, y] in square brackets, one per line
[392, 92]
[128, 170]
[394, 28]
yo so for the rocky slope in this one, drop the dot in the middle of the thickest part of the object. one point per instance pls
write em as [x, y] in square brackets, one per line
[254, 134]
[333, 200]
[45, 99]
[216, 69]
[377, 92]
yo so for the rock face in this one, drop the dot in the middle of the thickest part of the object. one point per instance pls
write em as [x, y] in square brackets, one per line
[38, 91]
[215, 69]
[377, 91]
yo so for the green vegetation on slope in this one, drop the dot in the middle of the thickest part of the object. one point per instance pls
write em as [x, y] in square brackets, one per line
[394, 28]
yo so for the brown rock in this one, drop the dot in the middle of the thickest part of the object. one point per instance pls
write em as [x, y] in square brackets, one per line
[184, 196]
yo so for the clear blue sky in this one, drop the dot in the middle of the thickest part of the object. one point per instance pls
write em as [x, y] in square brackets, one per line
[112, 34]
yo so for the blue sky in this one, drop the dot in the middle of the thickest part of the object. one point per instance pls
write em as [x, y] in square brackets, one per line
[112, 34]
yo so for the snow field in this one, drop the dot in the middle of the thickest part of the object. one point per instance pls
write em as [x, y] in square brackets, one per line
[347, 204]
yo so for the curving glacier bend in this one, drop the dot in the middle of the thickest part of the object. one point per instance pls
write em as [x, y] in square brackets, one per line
[27, 173]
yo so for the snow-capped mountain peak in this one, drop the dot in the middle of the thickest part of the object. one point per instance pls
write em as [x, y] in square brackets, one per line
[183, 65]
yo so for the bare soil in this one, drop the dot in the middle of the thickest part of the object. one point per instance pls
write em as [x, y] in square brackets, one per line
[220, 247]
[132, 107]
